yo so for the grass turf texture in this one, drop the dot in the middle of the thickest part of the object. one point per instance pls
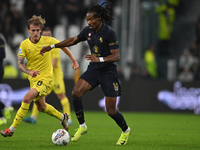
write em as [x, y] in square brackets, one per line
[150, 131]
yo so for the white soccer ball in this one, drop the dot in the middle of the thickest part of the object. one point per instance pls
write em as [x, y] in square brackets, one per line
[60, 137]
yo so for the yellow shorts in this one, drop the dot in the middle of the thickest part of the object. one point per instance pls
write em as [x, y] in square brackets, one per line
[58, 86]
[42, 86]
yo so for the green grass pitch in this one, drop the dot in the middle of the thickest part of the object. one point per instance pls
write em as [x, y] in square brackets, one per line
[150, 131]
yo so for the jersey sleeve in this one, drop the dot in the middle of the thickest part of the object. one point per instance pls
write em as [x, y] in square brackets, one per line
[54, 40]
[112, 41]
[82, 35]
[22, 51]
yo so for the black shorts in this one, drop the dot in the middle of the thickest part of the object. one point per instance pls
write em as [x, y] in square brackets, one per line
[108, 80]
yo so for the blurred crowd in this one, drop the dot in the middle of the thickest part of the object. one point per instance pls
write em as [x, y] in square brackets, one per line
[189, 64]
[156, 53]
[13, 27]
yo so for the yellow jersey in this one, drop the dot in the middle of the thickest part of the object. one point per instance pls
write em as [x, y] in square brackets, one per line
[57, 72]
[35, 61]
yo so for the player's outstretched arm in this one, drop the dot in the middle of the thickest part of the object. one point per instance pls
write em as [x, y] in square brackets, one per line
[68, 42]
[75, 64]
[24, 69]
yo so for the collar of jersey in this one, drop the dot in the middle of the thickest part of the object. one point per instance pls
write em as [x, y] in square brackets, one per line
[100, 30]
[37, 41]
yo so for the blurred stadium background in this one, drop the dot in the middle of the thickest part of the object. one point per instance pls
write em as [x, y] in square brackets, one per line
[170, 26]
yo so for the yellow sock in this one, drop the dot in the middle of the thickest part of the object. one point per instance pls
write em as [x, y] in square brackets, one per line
[66, 106]
[34, 111]
[20, 114]
[50, 110]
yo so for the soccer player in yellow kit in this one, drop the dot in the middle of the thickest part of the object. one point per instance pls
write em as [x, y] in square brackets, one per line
[58, 85]
[40, 71]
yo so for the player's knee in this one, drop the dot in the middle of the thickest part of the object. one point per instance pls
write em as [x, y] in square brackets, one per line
[26, 99]
[111, 112]
[76, 94]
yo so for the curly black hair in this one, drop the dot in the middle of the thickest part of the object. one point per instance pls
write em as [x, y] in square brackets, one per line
[101, 11]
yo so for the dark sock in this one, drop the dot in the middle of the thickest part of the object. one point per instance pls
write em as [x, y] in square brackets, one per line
[2, 106]
[78, 108]
[1, 113]
[119, 119]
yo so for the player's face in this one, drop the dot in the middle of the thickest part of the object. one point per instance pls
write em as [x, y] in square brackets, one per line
[46, 33]
[34, 32]
[93, 23]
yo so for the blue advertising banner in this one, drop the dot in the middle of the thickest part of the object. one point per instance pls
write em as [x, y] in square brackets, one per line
[137, 95]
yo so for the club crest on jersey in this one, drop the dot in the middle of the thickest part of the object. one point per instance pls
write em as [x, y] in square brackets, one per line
[95, 49]
[20, 51]
[89, 34]
[101, 40]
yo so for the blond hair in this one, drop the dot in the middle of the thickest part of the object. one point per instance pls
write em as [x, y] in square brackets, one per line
[37, 21]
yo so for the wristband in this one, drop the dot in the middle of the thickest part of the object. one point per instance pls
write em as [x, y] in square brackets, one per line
[52, 46]
[101, 59]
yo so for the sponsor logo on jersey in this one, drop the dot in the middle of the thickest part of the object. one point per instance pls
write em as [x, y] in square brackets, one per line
[20, 51]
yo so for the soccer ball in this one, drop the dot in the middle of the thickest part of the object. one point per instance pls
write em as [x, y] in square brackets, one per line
[60, 137]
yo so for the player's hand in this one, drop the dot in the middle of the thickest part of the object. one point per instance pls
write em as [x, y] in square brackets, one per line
[45, 49]
[92, 58]
[75, 65]
[34, 73]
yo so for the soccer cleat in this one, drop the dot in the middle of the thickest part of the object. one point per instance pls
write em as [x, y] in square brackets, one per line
[78, 133]
[123, 138]
[3, 121]
[7, 112]
[6, 133]
[29, 120]
[64, 123]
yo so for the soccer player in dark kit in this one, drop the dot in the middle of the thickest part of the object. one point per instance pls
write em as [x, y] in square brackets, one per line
[101, 70]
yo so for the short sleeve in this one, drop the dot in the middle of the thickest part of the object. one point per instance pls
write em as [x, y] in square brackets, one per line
[54, 40]
[112, 41]
[82, 35]
[21, 52]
